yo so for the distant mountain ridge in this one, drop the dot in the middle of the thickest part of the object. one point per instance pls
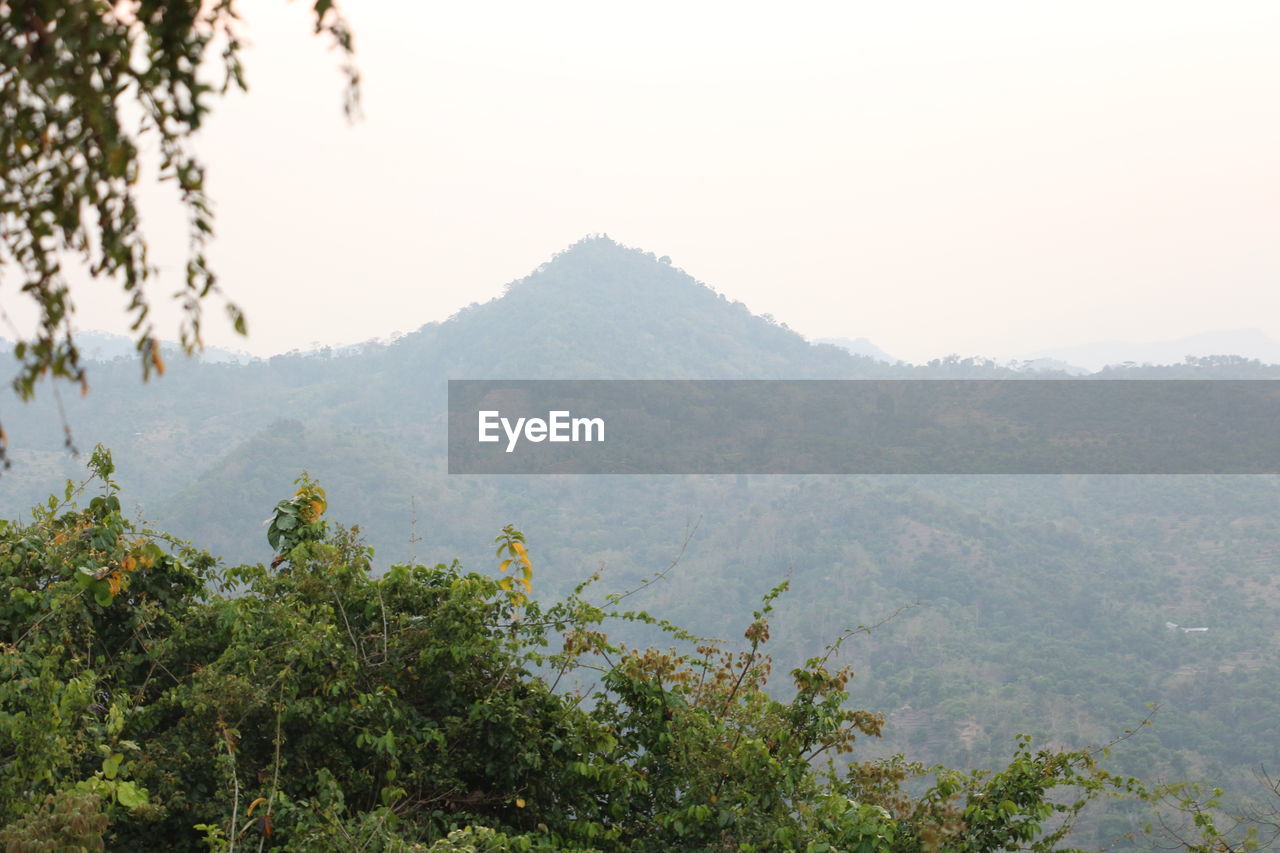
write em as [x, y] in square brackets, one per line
[599, 309]
[1248, 343]
[859, 346]
[97, 345]
[596, 310]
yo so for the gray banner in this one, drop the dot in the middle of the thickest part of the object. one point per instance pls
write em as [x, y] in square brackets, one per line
[864, 427]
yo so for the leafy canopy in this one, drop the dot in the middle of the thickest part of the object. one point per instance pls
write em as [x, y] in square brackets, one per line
[433, 709]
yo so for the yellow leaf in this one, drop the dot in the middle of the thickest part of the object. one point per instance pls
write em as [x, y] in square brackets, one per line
[502, 567]
[519, 547]
[256, 803]
[525, 560]
[505, 583]
[519, 802]
[528, 587]
[128, 564]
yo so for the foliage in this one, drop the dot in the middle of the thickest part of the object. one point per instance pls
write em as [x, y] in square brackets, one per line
[1193, 817]
[85, 597]
[73, 73]
[298, 520]
[62, 823]
[512, 542]
[435, 709]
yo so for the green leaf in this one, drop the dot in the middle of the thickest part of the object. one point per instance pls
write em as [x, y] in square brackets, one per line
[130, 795]
[102, 593]
[111, 765]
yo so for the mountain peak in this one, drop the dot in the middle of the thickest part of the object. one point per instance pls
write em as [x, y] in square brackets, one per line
[597, 262]
[599, 309]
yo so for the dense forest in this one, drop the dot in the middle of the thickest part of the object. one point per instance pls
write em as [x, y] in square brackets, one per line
[181, 690]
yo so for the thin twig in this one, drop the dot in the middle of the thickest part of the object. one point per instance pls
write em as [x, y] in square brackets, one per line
[36, 624]
[275, 772]
[385, 637]
[235, 782]
[1128, 733]
[614, 599]
[834, 646]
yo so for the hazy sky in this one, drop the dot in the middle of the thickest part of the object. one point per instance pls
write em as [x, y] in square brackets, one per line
[979, 177]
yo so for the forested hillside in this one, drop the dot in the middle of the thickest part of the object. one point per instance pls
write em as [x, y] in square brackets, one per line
[1033, 604]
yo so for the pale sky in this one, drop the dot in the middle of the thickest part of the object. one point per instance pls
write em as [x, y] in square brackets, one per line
[982, 177]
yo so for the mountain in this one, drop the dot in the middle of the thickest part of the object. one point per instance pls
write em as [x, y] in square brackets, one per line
[858, 346]
[1054, 365]
[596, 310]
[96, 346]
[1249, 343]
[600, 310]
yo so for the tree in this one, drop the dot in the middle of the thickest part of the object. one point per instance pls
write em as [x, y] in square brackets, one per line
[73, 76]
